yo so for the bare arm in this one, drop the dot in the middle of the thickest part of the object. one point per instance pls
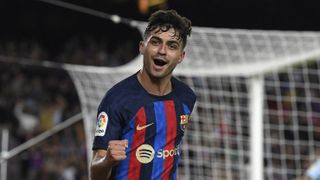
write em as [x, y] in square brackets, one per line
[104, 160]
[100, 167]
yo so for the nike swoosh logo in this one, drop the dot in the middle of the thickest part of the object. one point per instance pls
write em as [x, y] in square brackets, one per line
[143, 127]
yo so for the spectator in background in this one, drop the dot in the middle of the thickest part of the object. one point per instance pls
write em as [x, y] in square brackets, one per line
[28, 122]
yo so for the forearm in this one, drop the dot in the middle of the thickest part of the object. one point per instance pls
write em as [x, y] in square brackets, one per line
[100, 168]
[104, 160]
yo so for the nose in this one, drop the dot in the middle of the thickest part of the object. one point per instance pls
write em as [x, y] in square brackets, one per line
[162, 49]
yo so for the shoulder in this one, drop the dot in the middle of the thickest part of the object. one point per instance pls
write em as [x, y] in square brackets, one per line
[183, 90]
[120, 92]
[124, 86]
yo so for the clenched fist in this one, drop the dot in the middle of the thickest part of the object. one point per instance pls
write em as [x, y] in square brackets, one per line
[117, 150]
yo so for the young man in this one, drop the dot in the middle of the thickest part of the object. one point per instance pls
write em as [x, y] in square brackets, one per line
[141, 120]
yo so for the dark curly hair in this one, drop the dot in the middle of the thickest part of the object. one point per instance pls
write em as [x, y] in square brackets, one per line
[166, 19]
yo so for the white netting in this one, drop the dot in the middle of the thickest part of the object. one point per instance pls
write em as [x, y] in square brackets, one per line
[219, 65]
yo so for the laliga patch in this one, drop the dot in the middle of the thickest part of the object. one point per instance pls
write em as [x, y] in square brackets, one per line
[184, 121]
[101, 124]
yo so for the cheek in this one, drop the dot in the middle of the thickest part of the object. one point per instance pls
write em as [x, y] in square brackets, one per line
[176, 58]
[149, 51]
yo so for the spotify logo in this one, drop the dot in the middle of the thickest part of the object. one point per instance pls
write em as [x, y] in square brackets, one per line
[145, 153]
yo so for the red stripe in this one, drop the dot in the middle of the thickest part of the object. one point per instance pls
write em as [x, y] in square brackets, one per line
[171, 137]
[138, 139]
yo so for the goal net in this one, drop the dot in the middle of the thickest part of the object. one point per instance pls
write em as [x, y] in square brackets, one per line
[257, 114]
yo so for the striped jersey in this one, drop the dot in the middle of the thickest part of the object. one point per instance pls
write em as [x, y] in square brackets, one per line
[153, 125]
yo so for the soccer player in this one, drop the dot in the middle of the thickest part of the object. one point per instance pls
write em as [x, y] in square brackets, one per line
[141, 120]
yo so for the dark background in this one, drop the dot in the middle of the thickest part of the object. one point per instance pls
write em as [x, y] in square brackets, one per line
[32, 17]
[53, 25]
[257, 14]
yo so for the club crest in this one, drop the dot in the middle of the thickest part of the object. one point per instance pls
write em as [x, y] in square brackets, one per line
[184, 121]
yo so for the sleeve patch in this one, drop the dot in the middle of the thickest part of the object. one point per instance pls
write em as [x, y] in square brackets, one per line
[102, 123]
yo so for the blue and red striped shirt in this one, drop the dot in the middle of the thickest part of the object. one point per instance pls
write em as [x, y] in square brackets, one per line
[153, 125]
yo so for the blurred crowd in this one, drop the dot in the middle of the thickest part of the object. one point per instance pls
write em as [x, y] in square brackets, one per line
[293, 133]
[87, 50]
[291, 123]
[33, 99]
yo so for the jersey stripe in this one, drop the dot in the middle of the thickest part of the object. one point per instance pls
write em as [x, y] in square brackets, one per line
[122, 170]
[186, 109]
[170, 139]
[160, 140]
[146, 169]
[138, 139]
[179, 111]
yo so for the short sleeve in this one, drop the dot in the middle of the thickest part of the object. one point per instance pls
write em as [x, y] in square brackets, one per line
[108, 125]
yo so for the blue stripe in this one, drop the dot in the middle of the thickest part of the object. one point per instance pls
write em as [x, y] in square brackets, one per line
[122, 170]
[176, 164]
[160, 140]
[186, 109]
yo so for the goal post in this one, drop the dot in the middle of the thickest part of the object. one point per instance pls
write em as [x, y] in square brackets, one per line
[255, 116]
[4, 131]
[256, 126]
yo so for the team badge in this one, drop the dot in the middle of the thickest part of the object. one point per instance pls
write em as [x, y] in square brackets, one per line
[101, 124]
[184, 121]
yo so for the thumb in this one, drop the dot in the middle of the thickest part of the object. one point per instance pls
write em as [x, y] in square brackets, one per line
[125, 142]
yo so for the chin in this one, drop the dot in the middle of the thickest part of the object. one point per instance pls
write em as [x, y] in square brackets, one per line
[157, 75]
[160, 75]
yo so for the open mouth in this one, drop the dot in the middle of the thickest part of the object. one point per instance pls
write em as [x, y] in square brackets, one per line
[159, 62]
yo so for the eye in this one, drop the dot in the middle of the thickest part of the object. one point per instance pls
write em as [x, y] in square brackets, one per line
[154, 42]
[173, 46]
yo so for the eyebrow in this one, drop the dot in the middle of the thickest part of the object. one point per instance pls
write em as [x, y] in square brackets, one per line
[169, 41]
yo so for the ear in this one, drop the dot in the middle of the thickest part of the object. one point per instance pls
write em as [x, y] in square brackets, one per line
[182, 56]
[141, 47]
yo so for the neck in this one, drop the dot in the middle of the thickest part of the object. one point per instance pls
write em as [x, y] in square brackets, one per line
[155, 86]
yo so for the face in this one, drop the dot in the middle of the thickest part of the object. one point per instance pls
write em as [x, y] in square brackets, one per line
[162, 51]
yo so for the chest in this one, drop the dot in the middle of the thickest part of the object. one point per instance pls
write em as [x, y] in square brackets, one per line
[167, 119]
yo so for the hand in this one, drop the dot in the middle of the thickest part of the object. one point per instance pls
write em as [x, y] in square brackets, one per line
[117, 151]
